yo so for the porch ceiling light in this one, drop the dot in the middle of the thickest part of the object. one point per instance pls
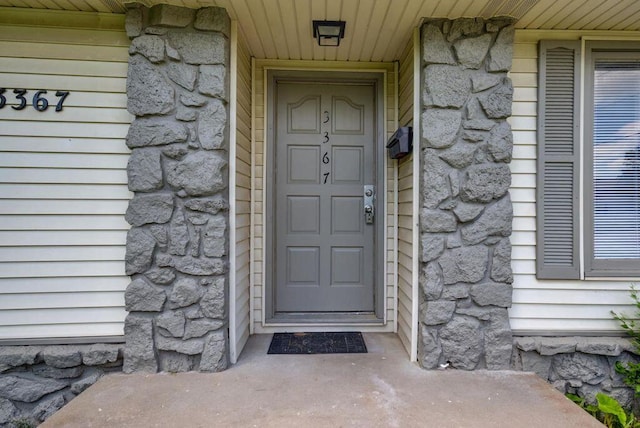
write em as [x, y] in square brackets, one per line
[328, 33]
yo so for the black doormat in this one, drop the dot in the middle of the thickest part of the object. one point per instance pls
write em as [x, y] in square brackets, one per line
[318, 343]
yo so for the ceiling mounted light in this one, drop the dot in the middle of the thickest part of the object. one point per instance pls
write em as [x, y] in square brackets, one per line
[328, 33]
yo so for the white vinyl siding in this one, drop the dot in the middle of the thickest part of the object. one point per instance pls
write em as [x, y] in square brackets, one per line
[405, 204]
[390, 103]
[63, 180]
[243, 197]
[547, 306]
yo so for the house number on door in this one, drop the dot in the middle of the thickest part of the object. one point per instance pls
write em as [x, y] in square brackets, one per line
[325, 157]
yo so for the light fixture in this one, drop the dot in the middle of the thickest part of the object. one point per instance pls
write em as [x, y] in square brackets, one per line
[328, 33]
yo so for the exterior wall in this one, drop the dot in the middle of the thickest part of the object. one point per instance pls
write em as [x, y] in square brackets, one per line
[466, 211]
[63, 181]
[582, 366]
[546, 306]
[36, 381]
[177, 248]
[405, 203]
[259, 73]
[243, 197]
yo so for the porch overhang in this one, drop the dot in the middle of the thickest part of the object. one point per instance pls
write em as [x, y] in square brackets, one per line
[376, 30]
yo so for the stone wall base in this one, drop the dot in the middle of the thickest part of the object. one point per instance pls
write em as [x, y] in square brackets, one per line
[36, 381]
[579, 365]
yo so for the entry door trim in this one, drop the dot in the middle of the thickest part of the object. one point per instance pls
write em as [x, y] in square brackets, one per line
[377, 78]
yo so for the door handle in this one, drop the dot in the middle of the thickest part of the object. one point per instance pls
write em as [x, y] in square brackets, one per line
[369, 204]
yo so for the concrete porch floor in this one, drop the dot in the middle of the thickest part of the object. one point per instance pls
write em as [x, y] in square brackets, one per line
[378, 389]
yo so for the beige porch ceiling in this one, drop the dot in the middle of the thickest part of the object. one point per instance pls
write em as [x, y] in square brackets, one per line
[377, 30]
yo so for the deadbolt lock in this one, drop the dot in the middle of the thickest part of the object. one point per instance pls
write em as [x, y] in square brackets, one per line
[369, 203]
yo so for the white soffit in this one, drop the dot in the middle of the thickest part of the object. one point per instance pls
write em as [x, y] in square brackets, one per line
[376, 30]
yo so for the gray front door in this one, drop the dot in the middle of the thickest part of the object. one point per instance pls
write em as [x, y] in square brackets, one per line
[325, 135]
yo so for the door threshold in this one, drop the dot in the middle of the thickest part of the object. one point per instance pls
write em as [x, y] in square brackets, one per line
[325, 318]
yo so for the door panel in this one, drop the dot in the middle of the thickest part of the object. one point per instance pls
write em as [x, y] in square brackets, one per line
[325, 154]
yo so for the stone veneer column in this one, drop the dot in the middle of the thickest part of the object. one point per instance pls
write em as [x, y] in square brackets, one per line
[177, 88]
[466, 211]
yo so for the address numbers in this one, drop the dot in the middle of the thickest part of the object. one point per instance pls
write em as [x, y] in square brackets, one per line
[39, 99]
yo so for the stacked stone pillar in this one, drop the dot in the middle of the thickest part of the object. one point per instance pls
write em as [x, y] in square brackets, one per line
[466, 211]
[177, 88]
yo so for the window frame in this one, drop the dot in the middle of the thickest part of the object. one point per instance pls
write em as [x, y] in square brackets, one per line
[593, 268]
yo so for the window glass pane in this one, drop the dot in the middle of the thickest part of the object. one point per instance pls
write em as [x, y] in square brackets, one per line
[616, 158]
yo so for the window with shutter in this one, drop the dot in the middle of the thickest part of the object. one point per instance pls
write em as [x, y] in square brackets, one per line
[611, 148]
[612, 162]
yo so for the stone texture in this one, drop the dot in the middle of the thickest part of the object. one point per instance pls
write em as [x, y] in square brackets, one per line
[214, 356]
[534, 362]
[99, 353]
[174, 362]
[466, 264]
[500, 145]
[85, 382]
[497, 103]
[200, 327]
[139, 352]
[589, 369]
[501, 263]
[465, 212]
[432, 246]
[438, 312]
[482, 183]
[148, 92]
[133, 22]
[171, 324]
[435, 186]
[139, 253]
[193, 100]
[188, 347]
[435, 49]
[212, 303]
[214, 240]
[155, 131]
[212, 126]
[149, 208]
[186, 292]
[555, 345]
[469, 27]
[178, 235]
[460, 155]
[213, 19]
[430, 349]
[212, 81]
[200, 48]
[211, 206]
[27, 390]
[481, 81]
[183, 74]
[502, 51]
[144, 170]
[162, 276]
[454, 292]
[150, 47]
[437, 221]
[491, 293]
[609, 346]
[55, 373]
[199, 174]
[461, 341]
[186, 114]
[48, 407]
[498, 341]
[62, 357]
[143, 297]
[440, 127]
[471, 52]
[494, 221]
[431, 281]
[8, 411]
[16, 356]
[165, 15]
[446, 86]
[193, 265]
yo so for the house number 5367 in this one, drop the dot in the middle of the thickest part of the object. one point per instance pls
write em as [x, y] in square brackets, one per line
[39, 99]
